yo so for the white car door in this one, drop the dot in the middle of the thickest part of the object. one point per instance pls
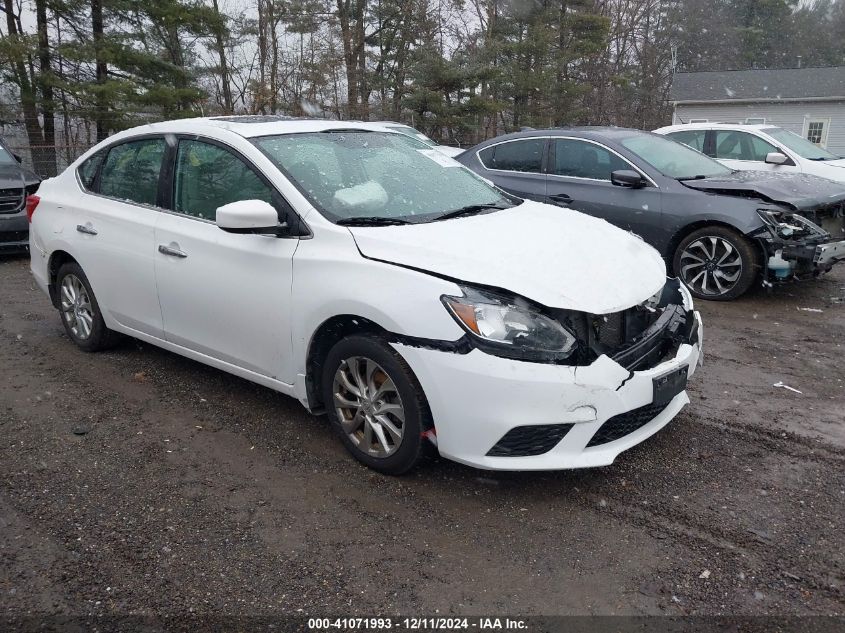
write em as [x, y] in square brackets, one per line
[113, 224]
[742, 150]
[224, 295]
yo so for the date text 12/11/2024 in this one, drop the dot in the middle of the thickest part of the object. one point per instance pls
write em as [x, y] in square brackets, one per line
[414, 624]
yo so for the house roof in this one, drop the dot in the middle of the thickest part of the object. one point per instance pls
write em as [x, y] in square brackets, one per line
[759, 85]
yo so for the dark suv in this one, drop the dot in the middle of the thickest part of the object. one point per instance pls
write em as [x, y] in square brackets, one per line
[16, 183]
[719, 230]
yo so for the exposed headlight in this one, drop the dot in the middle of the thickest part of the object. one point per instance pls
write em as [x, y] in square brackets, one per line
[504, 324]
[786, 225]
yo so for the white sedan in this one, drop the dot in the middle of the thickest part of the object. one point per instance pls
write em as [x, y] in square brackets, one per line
[759, 148]
[375, 279]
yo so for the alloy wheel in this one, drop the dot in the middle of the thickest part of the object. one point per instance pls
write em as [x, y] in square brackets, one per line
[368, 406]
[77, 310]
[711, 265]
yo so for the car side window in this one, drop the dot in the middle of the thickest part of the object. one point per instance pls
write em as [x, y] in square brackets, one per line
[734, 145]
[761, 148]
[208, 176]
[88, 170]
[524, 155]
[131, 171]
[690, 138]
[580, 159]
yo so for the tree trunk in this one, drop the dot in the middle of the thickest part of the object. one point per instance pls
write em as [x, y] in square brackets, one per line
[220, 44]
[101, 69]
[45, 81]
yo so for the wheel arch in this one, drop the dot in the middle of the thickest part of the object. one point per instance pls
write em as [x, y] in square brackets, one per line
[327, 334]
[58, 258]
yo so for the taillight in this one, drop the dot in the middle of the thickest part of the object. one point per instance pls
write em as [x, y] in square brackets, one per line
[31, 203]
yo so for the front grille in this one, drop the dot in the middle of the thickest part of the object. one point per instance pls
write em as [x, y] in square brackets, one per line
[11, 200]
[522, 441]
[13, 236]
[625, 424]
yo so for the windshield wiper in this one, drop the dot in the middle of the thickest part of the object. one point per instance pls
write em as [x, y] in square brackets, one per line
[371, 221]
[697, 177]
[472, 209]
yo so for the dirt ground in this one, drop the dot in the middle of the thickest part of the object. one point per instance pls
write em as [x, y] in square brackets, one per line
[139, 482]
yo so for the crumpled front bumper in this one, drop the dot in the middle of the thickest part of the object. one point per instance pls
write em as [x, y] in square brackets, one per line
[826, 255]
[477, 398]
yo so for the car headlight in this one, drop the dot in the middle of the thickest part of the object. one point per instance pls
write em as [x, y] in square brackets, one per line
[509, 326]
[786, 225]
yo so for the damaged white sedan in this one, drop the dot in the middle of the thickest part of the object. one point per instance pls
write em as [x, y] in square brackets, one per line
[375, 279]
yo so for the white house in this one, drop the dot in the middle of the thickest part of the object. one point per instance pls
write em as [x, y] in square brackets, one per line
[807, 101]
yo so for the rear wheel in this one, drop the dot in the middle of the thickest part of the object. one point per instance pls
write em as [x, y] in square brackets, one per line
[716, 263]
[80, 311]
[376, 404]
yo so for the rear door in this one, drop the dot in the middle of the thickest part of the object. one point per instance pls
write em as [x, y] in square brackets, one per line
[517, 166]
[579, 178]
[222, 294]
[111, 228]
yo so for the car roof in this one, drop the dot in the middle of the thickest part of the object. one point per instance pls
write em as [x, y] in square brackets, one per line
[250, 126]
[716, 124]
[593, 132]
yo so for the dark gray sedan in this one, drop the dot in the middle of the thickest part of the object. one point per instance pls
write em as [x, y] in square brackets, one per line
[719, 230]
[16, 183]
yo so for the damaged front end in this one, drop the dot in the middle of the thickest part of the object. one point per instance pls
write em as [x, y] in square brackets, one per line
[640, 337]
[801, 245]
[636, 338]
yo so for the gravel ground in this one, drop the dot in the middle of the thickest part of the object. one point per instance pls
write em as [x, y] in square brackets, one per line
[136, 482]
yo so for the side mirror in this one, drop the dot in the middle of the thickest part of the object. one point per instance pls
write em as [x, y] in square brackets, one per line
[17, 157]
[627, 178]
[249, 216]
[776, 158]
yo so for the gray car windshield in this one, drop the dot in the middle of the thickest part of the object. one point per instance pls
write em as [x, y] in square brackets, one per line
[377, 175]
[673, 159]
[6, 158]
[799, 144]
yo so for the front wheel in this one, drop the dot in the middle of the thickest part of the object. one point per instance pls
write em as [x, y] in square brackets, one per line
[376, 404]
[716, 263]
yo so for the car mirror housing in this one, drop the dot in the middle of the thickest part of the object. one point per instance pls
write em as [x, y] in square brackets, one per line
[627, 178]
[777, 158]
[249, 216]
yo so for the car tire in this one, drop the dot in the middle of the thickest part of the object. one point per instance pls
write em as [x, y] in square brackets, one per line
[80, 312]
[716, 263]
[370, 394]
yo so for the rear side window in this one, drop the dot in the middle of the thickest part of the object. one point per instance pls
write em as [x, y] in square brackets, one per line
[208, 176]
[88, 170]
[690, 138]
[131, 171]
[579, 159]
[526, 155]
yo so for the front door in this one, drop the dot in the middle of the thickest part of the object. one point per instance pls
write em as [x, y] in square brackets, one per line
[579, 178]
[745, 151]
[222, 294]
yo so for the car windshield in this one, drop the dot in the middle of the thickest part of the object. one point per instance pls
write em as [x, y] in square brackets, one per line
[673, 159]
[799, 144]
[6, 158]
[377, 175]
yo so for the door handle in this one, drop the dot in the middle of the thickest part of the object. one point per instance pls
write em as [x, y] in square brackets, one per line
[86, 228]
[561, 198]
[167, 250]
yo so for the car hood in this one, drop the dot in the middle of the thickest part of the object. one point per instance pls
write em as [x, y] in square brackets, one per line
[557, 257]
[801, 192]
[15, 176]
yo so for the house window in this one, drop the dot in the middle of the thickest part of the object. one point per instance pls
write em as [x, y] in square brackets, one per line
[755, 121]
[815, 131]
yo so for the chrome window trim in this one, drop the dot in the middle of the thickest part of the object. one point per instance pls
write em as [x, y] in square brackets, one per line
[512, 140]
[612, 151]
